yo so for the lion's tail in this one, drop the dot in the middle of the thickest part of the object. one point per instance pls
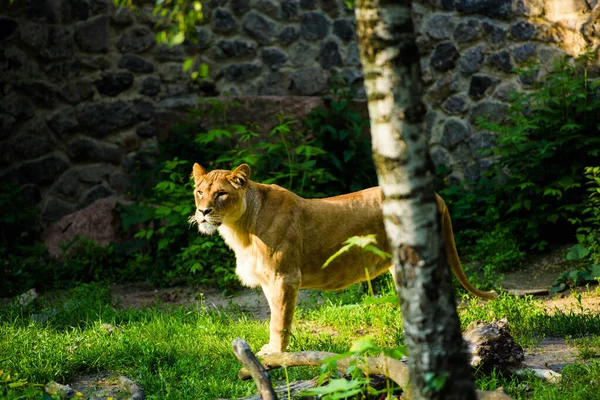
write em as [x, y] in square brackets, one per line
[452, 253]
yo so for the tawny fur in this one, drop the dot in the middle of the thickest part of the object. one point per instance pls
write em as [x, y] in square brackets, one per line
[281, 240]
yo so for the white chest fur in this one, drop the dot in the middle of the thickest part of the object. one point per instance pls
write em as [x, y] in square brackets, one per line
[248, 263]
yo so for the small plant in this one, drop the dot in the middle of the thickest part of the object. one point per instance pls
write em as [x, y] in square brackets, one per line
[358, 381]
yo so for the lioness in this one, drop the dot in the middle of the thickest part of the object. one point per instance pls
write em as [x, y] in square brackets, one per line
[282, 240]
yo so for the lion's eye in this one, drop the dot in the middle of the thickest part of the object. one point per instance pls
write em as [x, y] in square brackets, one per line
[199, 192]
[221, 195]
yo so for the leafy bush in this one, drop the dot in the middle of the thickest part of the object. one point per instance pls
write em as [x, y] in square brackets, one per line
[550, 137]
[23, 264]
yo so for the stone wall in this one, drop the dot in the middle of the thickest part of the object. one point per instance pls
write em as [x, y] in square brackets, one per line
[469, 49]
[84, 89]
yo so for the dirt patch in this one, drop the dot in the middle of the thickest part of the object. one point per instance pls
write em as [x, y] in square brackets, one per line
[248, 301]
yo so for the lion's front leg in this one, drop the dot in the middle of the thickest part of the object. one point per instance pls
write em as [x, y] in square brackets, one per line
[281, 293]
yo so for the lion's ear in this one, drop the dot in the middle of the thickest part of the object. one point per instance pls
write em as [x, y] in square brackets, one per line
[239, 177]
[198, 172]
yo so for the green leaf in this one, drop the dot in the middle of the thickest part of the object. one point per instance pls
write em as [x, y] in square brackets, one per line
[363, 344]
[578, 252]
[188, 64]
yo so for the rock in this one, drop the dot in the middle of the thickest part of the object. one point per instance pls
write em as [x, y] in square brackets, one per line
[352, 55]
[68, 185]
[269, 8]
[33, 34]
[63, 122]
[468, 31]
[150, 86]
[505, 89]
[303, 54]
[288, 35]
[223, 21]
[242, 72]
[443, 88]
[480, 85]
[530, 8]
[119, 181]
[230, 48]
[145, 110]
[56, 209]
[170, 53]
[275, 84]
[43, 11]
[496, 34]
[31, 193]
[41, 92]
[93, 173]
[308, 4]
[25, 299]
[85, 149]
[481, 141]
[136, 40]
[59, 43]
[440, 26]
[121, 16]
[98, 222]
[136, 64]
[204, 38]
[522, 52]
[471, 61]
[440, 157]
[309, 81]
[94, 194]
[114, 82]
[456, 104]
[493, 111]
[273, 57]
[17, 106]
[345, 29]
[259, 27]
[329, 56]
[92, 35]
[6, 124]
[454, 132]
[43, 171]
[444, 56]
[314, 25]
[77, 91]
[15, 64]
[33, 140]
[240, 7]
[101, 118]
[522, 30]
[475, 170]
[289, 10]
[501, 9]
[501, 60]
[8, 27]
[529, 78]
[146, 131]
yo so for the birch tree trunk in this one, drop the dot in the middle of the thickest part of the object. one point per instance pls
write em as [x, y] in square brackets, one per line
[390, 61]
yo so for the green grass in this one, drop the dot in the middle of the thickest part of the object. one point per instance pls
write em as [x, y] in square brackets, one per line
[185, 353]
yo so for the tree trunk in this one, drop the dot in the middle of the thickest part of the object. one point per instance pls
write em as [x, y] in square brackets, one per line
[437, 354]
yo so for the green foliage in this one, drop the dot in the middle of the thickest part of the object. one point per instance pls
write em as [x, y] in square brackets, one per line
[358, 381]
[550, 137]
[175, 24]
[12, 388]
[168, 250]
[23, 262]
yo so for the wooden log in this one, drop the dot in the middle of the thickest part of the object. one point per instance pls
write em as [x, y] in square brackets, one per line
[255, 369]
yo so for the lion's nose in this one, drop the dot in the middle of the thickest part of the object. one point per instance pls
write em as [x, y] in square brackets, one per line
[206, 211]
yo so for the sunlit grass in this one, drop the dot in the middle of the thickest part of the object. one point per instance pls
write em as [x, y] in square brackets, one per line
[179, 352]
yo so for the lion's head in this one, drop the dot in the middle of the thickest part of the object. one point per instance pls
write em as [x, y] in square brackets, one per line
[219, 197]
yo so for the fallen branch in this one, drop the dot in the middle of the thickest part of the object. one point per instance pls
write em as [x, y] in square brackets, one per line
[255, 369]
